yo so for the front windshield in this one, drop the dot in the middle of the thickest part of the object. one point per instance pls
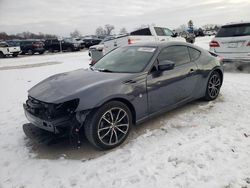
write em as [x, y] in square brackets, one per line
[129, 59]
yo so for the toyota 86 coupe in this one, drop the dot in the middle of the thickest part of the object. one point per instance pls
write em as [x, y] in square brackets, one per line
[125, 87]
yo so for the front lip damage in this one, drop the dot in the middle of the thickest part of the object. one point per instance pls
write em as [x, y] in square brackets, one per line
[53, 125]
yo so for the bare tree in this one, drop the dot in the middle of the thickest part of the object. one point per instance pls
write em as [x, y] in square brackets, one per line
[75, 34]
[123, 31]
[109, 28]
[100, 31]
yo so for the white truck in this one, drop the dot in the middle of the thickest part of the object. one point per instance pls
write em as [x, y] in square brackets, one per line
[7, 50]
[147, 34]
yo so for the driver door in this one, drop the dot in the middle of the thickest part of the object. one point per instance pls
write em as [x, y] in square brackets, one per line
[170, 87]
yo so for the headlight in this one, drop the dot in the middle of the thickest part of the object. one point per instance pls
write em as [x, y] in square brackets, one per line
[59, 110]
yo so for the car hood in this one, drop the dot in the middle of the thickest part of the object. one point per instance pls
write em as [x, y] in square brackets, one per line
[66, 86]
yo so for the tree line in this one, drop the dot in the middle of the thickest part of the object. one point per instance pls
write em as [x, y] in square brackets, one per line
[25, 35]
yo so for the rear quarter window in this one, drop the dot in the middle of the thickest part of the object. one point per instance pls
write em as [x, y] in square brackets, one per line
[194, 54]
[145, 31]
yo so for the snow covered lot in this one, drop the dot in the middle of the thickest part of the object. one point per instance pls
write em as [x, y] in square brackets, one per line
[203, 145]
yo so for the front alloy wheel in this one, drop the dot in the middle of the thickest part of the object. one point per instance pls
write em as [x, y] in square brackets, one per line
[109, 125]
[113, 126]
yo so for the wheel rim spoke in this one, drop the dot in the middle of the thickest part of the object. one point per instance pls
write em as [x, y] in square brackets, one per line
[120, 130]
[111, 115]
[122, 118]
[106, 119]
[104, 128]
[111, 136]
[105, 134]
[116, 137]
[116, 119]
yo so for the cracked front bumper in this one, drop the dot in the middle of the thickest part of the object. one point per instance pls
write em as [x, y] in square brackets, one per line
[55, 126]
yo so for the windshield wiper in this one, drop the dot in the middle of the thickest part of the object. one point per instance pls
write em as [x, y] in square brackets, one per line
[104, 70]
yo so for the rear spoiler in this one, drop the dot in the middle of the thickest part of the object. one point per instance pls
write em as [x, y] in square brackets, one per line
[213, 54]
[216, 55]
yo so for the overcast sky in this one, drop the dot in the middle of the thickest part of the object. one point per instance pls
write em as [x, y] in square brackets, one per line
[63, 16]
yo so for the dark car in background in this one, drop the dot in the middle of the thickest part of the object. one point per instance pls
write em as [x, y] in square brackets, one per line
[29, 46]
[125, 87]
[91, 42]
[53, 45]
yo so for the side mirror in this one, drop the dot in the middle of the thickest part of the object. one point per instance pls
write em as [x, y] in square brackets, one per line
[175, 35]
[165, 65]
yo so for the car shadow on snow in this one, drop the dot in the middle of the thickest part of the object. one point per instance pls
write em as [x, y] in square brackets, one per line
[62, 148]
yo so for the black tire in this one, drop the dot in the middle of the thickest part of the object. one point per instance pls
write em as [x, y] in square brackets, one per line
[51, 50]
[15, 55]
[213, 86]
[69, 49]
[42, 52]
[2, 55]
[103, 134]
[30, 52]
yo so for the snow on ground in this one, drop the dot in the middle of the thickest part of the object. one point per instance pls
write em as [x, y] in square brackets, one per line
[203, 144]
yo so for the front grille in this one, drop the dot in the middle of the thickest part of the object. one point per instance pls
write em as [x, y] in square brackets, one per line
[39, 108]
[50, 111]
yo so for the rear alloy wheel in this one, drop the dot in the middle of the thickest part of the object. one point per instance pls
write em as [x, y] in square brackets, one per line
[213, 86]
[109, 125]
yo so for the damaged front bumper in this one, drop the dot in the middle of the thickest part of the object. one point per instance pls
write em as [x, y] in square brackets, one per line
[56, 126]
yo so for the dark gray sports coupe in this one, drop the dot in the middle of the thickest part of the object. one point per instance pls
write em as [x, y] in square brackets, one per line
[125, 87]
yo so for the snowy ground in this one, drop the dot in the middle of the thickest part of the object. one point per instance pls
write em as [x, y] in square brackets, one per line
[203, 145]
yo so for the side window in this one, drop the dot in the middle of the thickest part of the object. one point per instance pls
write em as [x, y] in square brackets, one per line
[194, 54]
[159, 31]
[178, 54]
[3, 44]
[167, 32]
[55, 41]
[144, 31]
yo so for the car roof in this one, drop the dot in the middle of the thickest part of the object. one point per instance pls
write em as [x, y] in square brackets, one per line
[236, 23]
[165, 44]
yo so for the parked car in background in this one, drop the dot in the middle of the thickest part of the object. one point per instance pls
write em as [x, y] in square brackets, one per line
[32, 46]
[53, 45]
[126, 87]
[8, 50]
[210, 32]
[88, 42]
[147, 34]
[232, 42]
[80, 40]
[95, 52]
[77, 43]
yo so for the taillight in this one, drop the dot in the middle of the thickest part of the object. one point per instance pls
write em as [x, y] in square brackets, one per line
[131, 41]
[214, 44]
[248, 44]
[92, 62]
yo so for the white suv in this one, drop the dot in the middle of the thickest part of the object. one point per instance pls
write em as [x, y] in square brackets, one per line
[232, 42]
